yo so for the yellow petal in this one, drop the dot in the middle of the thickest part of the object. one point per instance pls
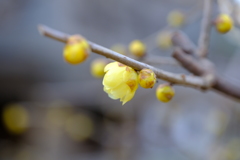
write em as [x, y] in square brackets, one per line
[112, 79]
[112, 96]
[127, 97]
[110, 65]
[120, 91]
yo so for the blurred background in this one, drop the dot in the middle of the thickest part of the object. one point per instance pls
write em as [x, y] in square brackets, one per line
[55, 111]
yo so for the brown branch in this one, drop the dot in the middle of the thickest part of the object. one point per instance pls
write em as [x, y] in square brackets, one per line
[180, 79]
[205, 29]
[204, 67]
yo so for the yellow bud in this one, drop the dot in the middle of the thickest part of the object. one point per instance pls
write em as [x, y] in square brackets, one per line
[165, 93]
[79, 127]
[146, 78]
[223, 23]
[164, 40]
[16, 118]
[119, 48]
[76, 50]
[97, 67]
[137, 48]
[120, 81]
[176, 19]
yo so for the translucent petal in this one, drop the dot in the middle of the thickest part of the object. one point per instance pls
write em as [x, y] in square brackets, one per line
[113, 79]
[112, 96]
[106, 89]
[120, 91]
[110, 65]
[129, 74]
[127, 97]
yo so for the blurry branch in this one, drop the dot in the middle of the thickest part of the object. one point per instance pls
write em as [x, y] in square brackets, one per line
[200, 67]
[180, 79]
[205, 29]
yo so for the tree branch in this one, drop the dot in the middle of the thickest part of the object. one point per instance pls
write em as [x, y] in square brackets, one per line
[180, 79]
[205, 29]
[199, 68]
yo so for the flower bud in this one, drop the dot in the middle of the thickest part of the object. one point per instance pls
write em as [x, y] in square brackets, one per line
[15, 118]
[165, 93]
[223, 23]
[97, 67]
[176, 19]
[76, 50]
[119, 48]
[146, 78]
[164, 40]
[137, 48]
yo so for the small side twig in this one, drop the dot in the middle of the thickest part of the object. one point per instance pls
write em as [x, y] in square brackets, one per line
[205, 29]
[204, 68]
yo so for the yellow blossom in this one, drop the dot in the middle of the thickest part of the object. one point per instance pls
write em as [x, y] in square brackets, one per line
[137, 48]
[16, 118]
[119, 48]
[164, 40]
[223, 23]
[176, 18]
[76, 50]
[146, 78]
[120, 81]
[97, 67]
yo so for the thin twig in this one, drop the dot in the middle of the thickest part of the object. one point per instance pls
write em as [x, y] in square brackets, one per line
[180, 79]
[205, 29]
[199, 68]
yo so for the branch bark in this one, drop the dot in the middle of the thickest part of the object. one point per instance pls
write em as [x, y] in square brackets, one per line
[199, 68]
[205, 29]
[180, 79]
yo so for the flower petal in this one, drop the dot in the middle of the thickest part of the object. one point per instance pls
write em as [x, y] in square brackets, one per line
[127, 97]
[120, 91]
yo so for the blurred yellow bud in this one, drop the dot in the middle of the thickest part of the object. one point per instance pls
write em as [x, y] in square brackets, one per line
[223, 23]
[146, 78]
[119, 48]
[164, 39]
[120, 81]
[176, 18]
[232, 148]
[137, 48]
[165, 93]
[97, 67]
[76, 50]
[79, 127]
[16, 118]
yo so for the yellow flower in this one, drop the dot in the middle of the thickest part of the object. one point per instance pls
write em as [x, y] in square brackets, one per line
[176, 19]
[76, 50]
[119, 48]
[164, 40]
[223, 23]
[165, 93]
[120, 81]
[137, 48]
[16, 118]
[146, 78]
[97, 68]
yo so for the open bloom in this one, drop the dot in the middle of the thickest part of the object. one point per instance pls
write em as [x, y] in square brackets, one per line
[120, 81]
